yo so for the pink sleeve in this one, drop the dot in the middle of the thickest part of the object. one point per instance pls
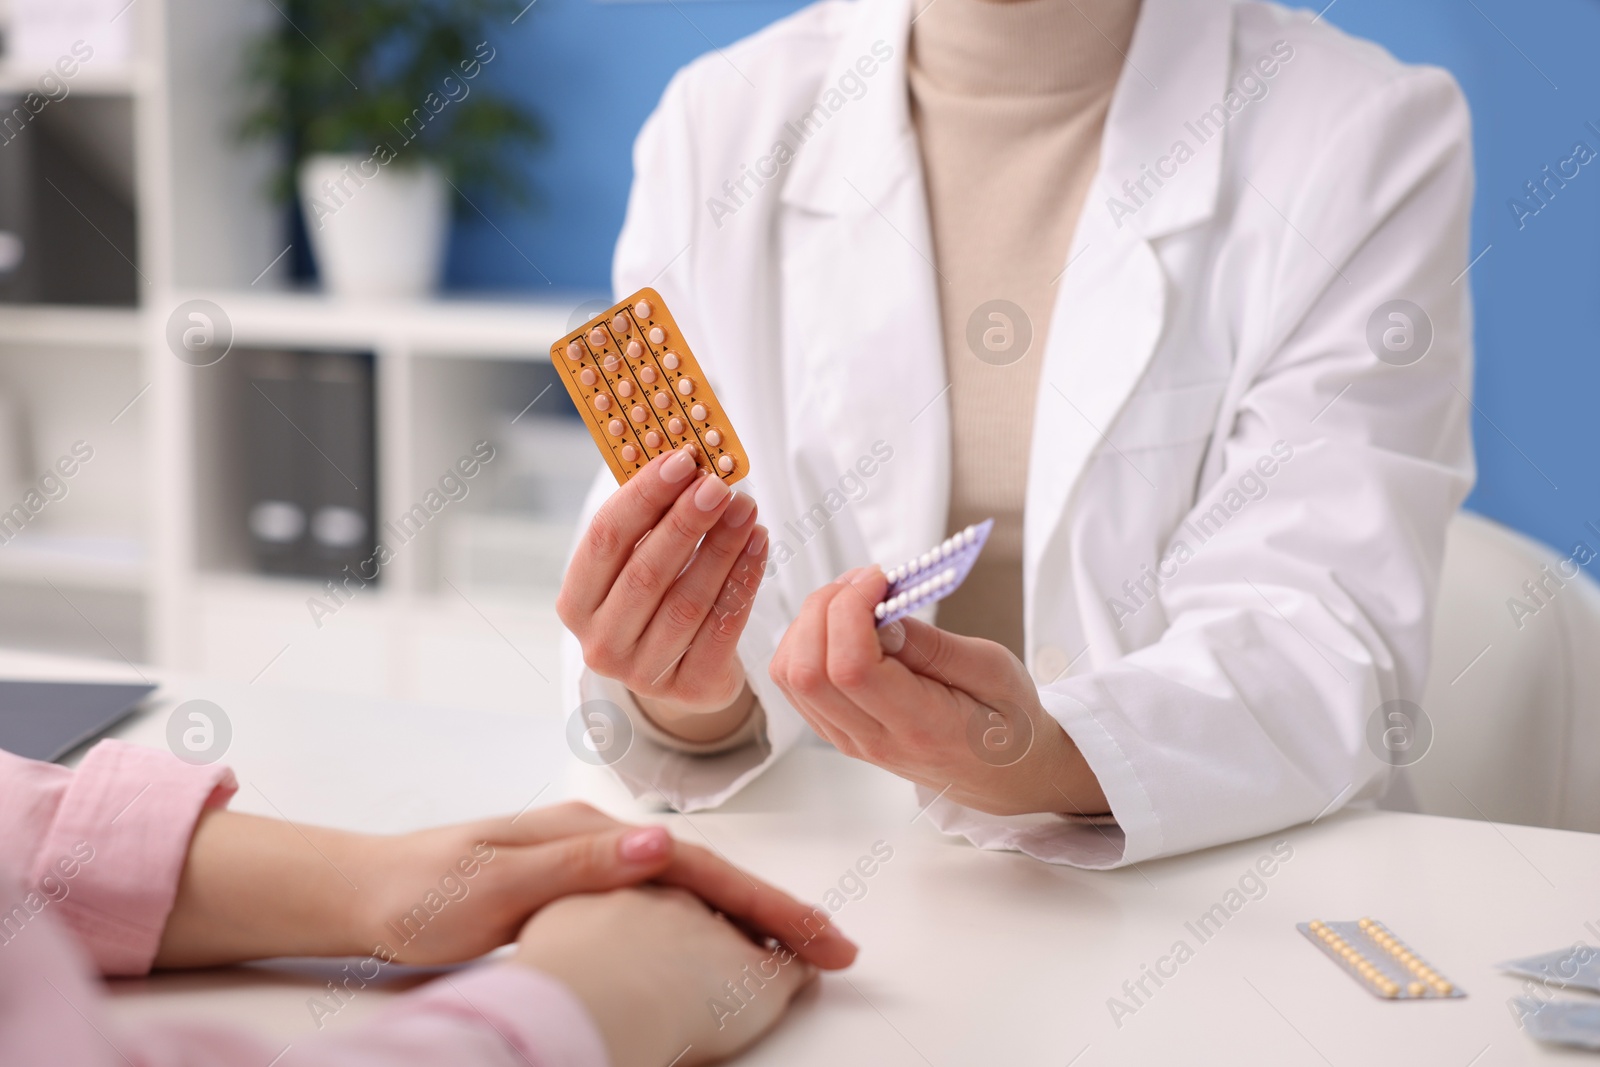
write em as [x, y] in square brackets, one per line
[107, 842]
[52, 1011]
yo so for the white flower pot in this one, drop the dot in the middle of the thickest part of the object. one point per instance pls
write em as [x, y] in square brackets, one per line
[377, 231]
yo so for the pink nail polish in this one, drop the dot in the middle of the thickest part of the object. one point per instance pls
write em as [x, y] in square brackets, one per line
[677, 466]
[712, 492]
[644, 844]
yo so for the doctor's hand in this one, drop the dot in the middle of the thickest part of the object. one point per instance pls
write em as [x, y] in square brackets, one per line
[659, 591]
[945, 711]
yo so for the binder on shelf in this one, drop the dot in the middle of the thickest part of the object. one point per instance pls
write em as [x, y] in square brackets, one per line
[276, 456]
[67, 221]
[310, 450]
[342, 497]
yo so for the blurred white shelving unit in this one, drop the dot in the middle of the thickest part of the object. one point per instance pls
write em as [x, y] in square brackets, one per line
[146, 558]
[448, 373]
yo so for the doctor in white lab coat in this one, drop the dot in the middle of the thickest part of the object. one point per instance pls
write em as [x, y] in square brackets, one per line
[1244, 455]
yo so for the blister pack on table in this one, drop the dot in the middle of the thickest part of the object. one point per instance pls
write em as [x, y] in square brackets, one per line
[1384, 965]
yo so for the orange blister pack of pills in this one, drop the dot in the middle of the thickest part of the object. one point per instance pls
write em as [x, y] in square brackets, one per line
[641, 391]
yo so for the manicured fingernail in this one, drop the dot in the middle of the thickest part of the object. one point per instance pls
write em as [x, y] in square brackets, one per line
[758, 540]
[892, 637]
[677, 466]
[832, 933]
[712, 491]
[644, 845]
[860, 576]
[740, 511]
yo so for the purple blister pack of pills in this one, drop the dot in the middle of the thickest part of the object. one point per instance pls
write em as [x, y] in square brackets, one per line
[932, 576]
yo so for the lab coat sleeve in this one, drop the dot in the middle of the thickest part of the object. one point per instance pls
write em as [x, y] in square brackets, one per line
[1311, 605]
[656, 248]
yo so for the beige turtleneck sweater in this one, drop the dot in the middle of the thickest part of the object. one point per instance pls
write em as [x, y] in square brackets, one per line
[1009, 99]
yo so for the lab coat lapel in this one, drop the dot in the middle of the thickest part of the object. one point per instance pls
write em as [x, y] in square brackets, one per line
[1111, 302]
[860, 316]
[1108, 317]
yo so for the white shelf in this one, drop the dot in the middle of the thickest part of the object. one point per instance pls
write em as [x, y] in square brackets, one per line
[446, 373]
[443, 327]
[18, 78]
[67, 326]
[77, 562]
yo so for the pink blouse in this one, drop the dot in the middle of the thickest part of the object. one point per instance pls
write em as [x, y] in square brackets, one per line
[89, 866]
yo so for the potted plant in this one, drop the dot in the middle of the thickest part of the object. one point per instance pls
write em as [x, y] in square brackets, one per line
[384, 112]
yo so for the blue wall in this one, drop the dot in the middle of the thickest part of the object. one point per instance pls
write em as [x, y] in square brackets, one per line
[552, 59]
[1537, 290]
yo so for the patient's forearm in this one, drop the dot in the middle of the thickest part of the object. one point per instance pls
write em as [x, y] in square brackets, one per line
[254, 888]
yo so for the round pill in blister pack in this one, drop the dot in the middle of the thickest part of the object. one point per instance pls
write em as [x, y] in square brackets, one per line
[932, 576]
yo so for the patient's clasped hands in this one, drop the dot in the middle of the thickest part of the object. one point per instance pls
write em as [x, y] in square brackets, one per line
[644, 929]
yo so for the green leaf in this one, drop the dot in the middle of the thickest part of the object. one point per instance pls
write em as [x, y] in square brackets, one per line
[350, 75]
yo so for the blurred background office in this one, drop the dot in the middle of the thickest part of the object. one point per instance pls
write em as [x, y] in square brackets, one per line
[251, 409]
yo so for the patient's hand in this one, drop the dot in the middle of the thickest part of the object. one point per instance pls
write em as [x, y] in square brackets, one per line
[254, 888]
[659, 590]
[550, 853]
[957, 714]
[651, 966]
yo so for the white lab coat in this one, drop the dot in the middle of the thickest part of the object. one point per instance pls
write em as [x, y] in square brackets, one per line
[1207, 331]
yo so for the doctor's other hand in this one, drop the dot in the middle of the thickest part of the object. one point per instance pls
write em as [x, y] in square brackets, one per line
[945, 711]
[652, 966]
[659, 591]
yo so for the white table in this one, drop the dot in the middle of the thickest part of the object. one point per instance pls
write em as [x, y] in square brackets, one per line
[968, 957]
